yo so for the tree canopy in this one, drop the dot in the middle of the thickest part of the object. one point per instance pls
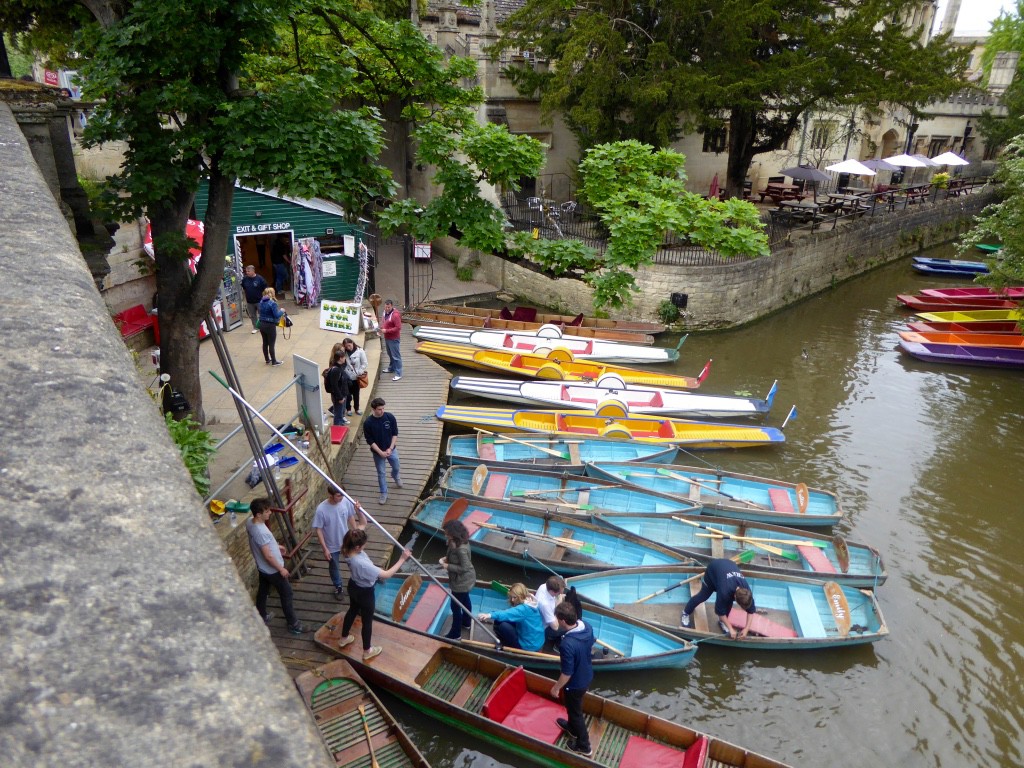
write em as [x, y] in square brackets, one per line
[1006, 35]
[650, 71]
[284, 94]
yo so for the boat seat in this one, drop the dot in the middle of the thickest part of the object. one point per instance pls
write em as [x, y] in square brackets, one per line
[508, 340]
[427, 608]
[807, 616]
[780, 500]
[496, 485]
[578, 320]
[517, 708]
[474, 520]
[665, 429]
[516, 361]
[525, 314]
[816, 559]
[505, 314]
[760, 625]
[657, 401]
[486, 450]
[652, 754]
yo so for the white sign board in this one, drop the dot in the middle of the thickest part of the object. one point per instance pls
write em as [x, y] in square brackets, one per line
[340, 316]
[330, 268]
[307, 394]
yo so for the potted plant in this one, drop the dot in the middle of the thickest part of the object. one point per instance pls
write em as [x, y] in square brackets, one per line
[940, 180]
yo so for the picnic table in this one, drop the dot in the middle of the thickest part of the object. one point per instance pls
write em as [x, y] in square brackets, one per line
[779, 192]
[917, 193]
[848, 202]
[805, 210]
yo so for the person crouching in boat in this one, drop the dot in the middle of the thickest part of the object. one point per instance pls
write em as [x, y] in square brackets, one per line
[521, 625]
[724, 579]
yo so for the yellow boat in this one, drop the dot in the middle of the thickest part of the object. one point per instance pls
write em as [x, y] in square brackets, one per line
[612, 422]
[422, 317]
[972, 315]
[558, 364]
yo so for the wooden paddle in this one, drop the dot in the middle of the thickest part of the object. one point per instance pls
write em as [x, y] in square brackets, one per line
[548, 451]
[455, 511]
[840, 607]
[791, 542]
[369, 741]
[742, 557]
[553, 503]
[559, 540]
[842, 552]
[802, 497]
[577, 489]
[479, 476]
[403, 599]
[537, 654]
[676, 476]
[611, 648]
[726, 534]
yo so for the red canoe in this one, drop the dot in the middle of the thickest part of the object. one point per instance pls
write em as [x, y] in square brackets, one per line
[968, 326]
[980, 291]
[920, 303]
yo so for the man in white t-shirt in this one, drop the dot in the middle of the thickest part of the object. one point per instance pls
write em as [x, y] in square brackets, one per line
[331, 521]
[269, 557]
[549, 594]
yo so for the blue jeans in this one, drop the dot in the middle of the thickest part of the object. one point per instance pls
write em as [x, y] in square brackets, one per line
[381, 462]
[334, 569]
[395, 354]
[280, 278]
[460, 618]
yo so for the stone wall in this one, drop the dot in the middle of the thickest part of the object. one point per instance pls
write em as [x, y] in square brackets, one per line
[729, 295]
[128, 636]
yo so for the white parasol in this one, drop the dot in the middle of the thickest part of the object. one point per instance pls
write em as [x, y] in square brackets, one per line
[851, 166]
[949, 158]
[906, 161]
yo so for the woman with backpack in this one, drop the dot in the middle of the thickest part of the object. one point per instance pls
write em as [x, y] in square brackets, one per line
[336, 384]
[269, 314]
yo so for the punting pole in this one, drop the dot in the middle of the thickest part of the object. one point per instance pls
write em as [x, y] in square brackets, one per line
[312, 465]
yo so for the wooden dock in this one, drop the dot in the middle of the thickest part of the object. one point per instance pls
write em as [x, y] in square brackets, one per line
[413, 401]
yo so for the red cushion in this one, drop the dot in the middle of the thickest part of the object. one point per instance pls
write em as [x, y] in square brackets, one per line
[427, 607]
[473, 520]
[505, 696]
[645, 753]
[525, 314]
[759, 625]
[816, 559]
[338, 433]
[578, 320]
[495, 488]
[780, 500]
[536, 716]
[697, 754]
[505, 314]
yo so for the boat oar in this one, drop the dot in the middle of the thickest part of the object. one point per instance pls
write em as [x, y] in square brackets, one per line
[403, 599]
[790, 542]
[575, 489]
[455, 511]
[548, 451]
[369, 741]
[561, 541]
[676, 476]
[742, 557]
[726, 534]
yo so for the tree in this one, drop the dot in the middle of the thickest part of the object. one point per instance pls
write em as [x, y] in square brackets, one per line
[1002, 222]
[1006, 35]
[280, 93]
[640, 194]
[650, 71]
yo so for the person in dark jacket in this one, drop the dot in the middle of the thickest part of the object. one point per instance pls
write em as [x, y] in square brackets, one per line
[269, 314]
[381, 432]
[253, 286]
[338, 384]
[722, 577]
[281, 258]
[577, 672]
[461, 576]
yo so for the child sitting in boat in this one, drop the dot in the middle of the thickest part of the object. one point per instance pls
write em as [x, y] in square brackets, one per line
[521, 625]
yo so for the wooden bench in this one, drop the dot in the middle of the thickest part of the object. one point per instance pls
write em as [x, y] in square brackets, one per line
[427, 608]
[806, 612]
[133, 321]
[510, 704]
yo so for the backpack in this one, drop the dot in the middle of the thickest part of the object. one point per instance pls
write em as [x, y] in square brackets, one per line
[331, 383]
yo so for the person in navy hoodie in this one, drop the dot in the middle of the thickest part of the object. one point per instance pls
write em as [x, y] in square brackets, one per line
[576, 675]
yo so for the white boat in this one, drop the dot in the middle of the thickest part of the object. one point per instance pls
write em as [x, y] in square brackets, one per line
[549, 341]
[610, 389]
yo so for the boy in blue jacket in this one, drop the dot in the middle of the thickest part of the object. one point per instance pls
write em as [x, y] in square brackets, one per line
[577, 673]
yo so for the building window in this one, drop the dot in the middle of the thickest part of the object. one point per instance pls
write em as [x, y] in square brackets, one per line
[938, 145]
[822, 134]
[715, 139]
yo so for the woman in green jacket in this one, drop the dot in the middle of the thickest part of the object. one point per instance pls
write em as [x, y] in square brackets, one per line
[461, 576]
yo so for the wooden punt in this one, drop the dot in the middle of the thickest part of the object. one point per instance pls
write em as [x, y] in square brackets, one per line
[771, 548]
[609, 422]
[920, 303]
[424, 317]
[977, 267]
[609, 389]
[532, 315]
[549, 341]
[553, 365]
[939, 270]
[729, 494]
[624, 644]
[550, 452]
[563, 544]
[792, 613]
[988, 247]
[975, 290]
[966, 339]
[352, 720]
[975, 315]
[955, 354]
[513, 709]
[968, 326]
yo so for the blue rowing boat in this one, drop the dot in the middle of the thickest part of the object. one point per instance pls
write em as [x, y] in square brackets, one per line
[563, 454]
[623, 643]
[771, 548]
[558, 492]
[540, 540]
[792, 613]
[729, 494]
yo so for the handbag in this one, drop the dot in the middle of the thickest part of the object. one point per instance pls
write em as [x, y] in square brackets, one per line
[284, 322]
[363, 380]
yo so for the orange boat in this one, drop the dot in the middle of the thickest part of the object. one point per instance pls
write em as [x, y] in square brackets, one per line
[1007, 340]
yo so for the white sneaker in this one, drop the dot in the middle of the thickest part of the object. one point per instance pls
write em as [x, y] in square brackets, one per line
[346, 641]
[373, 652]
[684, 620]
[397, 378]
[255, 330]
[383, 499]
[398, 483]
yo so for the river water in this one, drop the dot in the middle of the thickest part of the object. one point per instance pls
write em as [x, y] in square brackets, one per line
[929, 463]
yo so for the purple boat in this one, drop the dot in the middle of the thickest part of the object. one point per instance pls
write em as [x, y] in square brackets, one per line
[958, 354]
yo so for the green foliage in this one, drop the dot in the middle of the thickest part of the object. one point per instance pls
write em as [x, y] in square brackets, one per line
[1003, 222]
[646, 71]
[1006, 34]
[465, 274]
[941, 180]
[21, 62]
[196, 447]
[560, 257]
[668, 312]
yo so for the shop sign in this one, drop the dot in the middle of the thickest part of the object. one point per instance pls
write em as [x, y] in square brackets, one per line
[277, 226]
